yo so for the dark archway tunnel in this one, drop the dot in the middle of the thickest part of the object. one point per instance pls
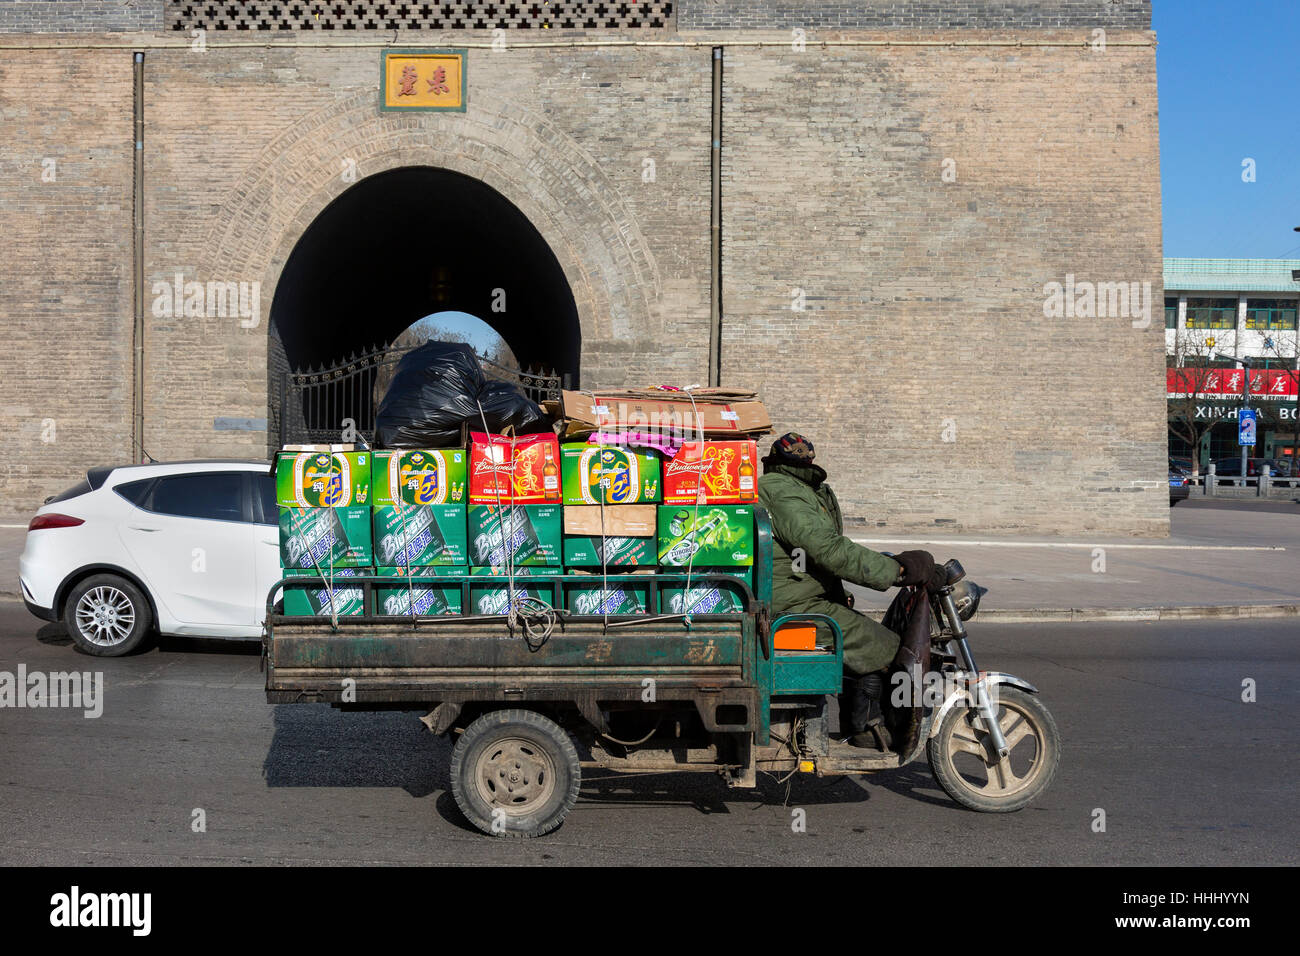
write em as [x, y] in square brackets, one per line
[405, 243]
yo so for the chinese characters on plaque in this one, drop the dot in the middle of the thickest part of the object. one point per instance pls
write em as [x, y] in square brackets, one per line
[423, 80]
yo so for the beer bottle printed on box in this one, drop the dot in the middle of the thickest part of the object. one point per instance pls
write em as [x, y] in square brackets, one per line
[519, 470]
[710, 598]
[606, 474]
[322, 479]
[430, 598]
[723, 536]
[338, 537]
[314, 600]
[527, 534]
[621, 597]
[420, 535]
[420, 477]
[711, 472]
[492, 596]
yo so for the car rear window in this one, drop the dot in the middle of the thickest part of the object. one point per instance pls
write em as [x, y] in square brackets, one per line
[217, 496]
[134, 491]
[264, 494]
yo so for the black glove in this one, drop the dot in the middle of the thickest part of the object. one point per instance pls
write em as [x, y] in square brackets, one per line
[918, 568]
[938, 579]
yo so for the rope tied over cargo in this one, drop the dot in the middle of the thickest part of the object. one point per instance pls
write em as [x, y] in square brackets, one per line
[531, 615]
[329, 581]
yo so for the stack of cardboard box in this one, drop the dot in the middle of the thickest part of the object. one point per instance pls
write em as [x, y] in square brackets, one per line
[661, 483]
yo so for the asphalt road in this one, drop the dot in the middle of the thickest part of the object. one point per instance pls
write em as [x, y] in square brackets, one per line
[1155, 734]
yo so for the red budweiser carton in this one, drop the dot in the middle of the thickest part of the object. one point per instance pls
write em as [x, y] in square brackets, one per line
[523, 470]
[712, 472]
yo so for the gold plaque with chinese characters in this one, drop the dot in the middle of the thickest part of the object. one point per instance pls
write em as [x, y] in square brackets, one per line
[423, 80]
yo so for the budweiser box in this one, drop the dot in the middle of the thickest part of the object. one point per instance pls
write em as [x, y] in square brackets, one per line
[492, 596]
[337, 536]
[714, 472]
[524, 470]
[420, 535]
[710, 598]
[614, 474]
[430, 598]
[617, 551]
[533, 534]
[315, 601]
[721, 536]
[432, 477]
[322, 479]
[619, 594]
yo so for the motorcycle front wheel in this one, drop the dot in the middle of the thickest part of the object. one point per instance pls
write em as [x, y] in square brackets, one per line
[970, 771]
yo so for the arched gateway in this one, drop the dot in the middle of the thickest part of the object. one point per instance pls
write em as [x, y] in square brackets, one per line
[394, 247]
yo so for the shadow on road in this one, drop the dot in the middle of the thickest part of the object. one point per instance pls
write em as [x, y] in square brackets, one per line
[314, 745]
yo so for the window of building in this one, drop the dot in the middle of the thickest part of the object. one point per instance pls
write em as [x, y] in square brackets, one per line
[1271, 314]
[1211, 313]
[1171, 312]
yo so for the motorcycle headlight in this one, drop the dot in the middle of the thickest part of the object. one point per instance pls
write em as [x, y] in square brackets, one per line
[966, 596]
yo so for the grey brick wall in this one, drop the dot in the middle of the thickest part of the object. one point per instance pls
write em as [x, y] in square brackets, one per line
[924, 297]
[80, 16]
[930, 15]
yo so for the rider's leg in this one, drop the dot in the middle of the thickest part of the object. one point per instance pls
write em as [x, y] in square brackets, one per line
[869, 647]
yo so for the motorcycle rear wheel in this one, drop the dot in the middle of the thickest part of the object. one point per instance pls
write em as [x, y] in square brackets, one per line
[968, 769]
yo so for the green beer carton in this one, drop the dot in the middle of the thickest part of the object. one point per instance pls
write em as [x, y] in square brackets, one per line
[395, 599]
[612, 473]
[534, 533]
[712, 598]
[618, 552]
[324, 537]
[493, 596]
[322, 479]
[723, 537]
[315, 601]
[625, 594]
[424, 477]
[420, 535]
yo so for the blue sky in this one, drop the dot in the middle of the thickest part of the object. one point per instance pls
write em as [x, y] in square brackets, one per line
[1229, 75]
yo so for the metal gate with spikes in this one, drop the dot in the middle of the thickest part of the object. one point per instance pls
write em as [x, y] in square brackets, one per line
[325, 404]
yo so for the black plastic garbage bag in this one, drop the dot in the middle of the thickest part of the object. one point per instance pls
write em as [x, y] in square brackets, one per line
[438, 387]
[506, 406]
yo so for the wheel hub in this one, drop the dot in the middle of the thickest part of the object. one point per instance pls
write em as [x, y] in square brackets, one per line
[515, 775]
[104, 616]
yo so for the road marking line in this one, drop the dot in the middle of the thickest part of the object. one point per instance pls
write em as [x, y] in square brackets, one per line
[1070, 544]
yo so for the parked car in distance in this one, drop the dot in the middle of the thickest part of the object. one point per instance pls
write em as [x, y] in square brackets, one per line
[186, 548]
[1179, 486]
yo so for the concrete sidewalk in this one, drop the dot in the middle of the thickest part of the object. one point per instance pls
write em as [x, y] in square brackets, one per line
[1224, 559]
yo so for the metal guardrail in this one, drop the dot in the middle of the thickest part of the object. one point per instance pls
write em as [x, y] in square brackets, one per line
[1212, 484]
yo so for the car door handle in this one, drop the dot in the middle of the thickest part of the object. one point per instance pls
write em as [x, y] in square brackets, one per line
[136, 527]
[274, 541]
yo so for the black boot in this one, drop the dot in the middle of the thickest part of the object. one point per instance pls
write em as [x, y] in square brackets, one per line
[864, 720]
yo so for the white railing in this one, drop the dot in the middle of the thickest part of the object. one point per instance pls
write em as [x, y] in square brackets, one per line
[1211, 483]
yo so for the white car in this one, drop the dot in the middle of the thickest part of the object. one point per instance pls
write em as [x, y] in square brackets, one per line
[188, 548]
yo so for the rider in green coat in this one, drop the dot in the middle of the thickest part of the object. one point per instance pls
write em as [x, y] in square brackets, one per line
[811, 560]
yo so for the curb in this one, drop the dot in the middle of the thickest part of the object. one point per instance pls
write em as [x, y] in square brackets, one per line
[1096, 615]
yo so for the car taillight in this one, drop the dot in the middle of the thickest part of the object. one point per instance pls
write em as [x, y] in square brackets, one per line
[54, 521]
